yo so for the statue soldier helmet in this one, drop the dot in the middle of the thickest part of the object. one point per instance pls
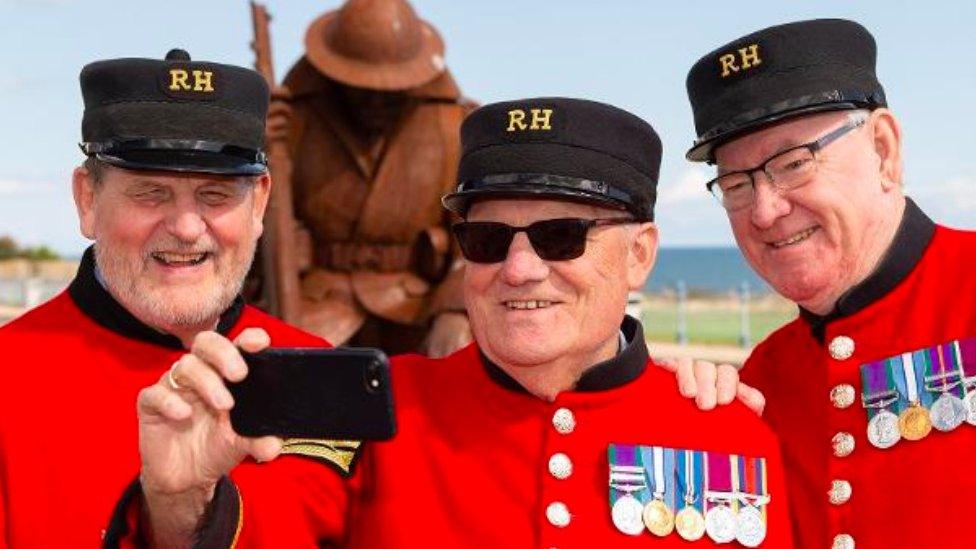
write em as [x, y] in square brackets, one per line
[375, 44]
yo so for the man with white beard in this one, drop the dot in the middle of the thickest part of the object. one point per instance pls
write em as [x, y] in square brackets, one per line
[172, 193]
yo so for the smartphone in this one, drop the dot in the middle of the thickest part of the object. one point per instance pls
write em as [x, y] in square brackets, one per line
[315, 393]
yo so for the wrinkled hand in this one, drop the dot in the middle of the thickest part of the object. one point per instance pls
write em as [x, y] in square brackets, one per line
[449, 332]
[712, 385]
[185, 437]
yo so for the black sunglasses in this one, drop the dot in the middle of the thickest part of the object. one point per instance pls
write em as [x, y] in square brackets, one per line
[553, 239]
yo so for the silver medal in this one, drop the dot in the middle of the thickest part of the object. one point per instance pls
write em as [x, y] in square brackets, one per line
[971, 408]
[883, 429]
[628, 515]
[948, 412]
[720, 524]
[750, 530]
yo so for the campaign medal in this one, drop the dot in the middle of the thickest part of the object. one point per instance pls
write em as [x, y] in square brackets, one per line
[626, 479]
[720, 517]
[914, 421]
[883, 428]
[720, 523]
[944, 377]
[689, 521]
[626, 514]
[750, 525]
[966, 360]
[877, 395]
[657, 516]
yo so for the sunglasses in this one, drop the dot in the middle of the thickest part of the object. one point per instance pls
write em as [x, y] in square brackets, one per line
[552, 239]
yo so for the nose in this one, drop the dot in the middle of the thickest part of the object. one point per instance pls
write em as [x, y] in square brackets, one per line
[522, 264]
[770, 203]
[186, 223]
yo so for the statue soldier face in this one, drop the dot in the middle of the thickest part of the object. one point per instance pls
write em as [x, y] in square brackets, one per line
[527, 311]
[172, 248]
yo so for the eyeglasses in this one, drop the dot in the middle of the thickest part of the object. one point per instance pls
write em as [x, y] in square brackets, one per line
[786, 170]
[553, 239]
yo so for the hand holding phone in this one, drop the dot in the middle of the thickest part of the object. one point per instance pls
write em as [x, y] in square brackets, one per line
[315, 393]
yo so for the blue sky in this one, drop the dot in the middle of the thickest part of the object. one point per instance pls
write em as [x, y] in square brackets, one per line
[632, 54]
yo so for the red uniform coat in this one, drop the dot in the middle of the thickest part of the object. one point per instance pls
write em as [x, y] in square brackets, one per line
[68, 431]
[469, 465]
[914, 494]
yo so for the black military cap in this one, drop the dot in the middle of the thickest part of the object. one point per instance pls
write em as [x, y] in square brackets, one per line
[781, 72]
[174, 115]
[553, 147]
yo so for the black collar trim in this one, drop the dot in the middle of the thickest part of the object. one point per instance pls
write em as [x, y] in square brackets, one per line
[95, 301]
[914, 234]
[620, 370]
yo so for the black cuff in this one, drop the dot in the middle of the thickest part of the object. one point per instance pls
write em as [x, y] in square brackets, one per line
[220, 525]
[222, 520]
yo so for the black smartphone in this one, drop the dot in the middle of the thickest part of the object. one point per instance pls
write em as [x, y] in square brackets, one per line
[315, 393]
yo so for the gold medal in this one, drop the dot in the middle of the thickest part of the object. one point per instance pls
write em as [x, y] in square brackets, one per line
[914, 422]
[658, 518]
[690, 524]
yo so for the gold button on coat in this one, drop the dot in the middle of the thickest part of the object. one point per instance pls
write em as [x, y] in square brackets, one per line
[841, 348]
[843, 444]
[564, 421]
[842, 396]
[840, 492]
[558, 514]
[843, 541]
[560, 466]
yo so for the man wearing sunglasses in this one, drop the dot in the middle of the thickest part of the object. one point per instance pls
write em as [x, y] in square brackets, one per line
[866, 388]
[542, 433]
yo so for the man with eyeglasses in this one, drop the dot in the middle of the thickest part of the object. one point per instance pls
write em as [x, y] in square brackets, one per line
[551, 430]
[870, 389]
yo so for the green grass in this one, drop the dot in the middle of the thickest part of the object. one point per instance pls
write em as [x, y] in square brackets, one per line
[711, 326]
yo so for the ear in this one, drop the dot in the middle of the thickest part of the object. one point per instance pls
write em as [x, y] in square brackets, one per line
[641, 256]
[887, 145]
[262, 194]
[83, 190]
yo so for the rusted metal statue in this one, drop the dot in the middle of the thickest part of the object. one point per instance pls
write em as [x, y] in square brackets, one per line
[362, 143]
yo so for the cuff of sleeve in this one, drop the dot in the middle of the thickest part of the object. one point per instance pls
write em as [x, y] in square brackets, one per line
[223, 519]
[221, 523]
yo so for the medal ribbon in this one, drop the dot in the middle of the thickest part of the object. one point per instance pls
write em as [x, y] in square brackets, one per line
[626, 469]
[876, 380]
[689, 473]
[942, 370]
[966, 355]
[718, 477]
[734, 462]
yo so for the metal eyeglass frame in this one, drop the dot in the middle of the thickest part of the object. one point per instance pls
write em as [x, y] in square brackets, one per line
[855, 120]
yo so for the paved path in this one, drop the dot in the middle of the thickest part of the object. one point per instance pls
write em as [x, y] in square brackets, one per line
[728, 354]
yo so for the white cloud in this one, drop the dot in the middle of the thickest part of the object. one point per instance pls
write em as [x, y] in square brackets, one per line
[952, 201]
[689, 187]
[11, 187]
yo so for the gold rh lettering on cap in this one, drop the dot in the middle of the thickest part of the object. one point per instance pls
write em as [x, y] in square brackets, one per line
[516, 119]
[541, 120]
[203, 81]
[748, 57]
[178, 80]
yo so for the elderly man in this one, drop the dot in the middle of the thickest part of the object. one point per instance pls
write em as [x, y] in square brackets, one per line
[518, 439]
[810, 173]
[172, 194]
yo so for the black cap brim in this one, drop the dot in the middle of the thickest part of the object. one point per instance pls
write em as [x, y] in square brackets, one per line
[460, 202]
[184, 162]
[704, 151]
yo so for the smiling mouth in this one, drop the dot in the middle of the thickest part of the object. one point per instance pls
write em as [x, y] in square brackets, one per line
[528, 304]
[171, 259]
[795, 239]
